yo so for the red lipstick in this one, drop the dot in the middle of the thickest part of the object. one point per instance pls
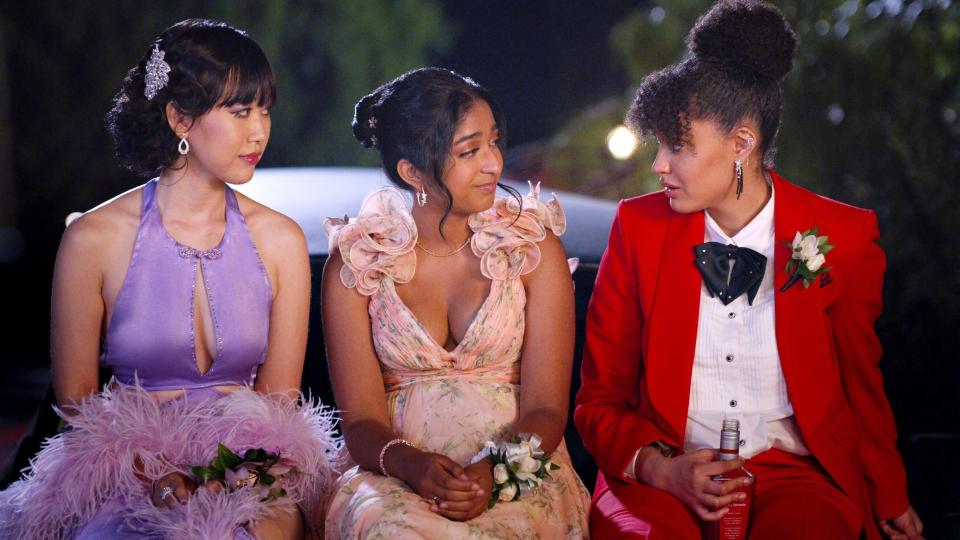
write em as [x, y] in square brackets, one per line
[252, 158]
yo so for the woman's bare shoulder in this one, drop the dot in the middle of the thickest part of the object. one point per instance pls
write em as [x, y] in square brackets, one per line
[277, 237]
[106, 224]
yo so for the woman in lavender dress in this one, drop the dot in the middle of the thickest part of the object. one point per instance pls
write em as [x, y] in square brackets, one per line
[196, 298]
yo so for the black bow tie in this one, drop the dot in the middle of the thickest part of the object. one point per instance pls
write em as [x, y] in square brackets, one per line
[713, 262]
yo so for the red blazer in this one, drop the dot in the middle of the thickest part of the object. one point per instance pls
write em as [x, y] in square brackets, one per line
[642, 331]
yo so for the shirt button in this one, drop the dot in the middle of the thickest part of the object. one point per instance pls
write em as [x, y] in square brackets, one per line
[731, 315]
[729, 358]
[733, 403]
[743, 442]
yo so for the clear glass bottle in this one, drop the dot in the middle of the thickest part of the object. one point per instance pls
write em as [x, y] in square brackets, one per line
[735, 523]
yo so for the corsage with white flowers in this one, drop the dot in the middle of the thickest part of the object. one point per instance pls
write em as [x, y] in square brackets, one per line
[254, 469]
[519, 467]
[808, 258]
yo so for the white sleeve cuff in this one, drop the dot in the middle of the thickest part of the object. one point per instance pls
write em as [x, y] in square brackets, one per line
[629, 472]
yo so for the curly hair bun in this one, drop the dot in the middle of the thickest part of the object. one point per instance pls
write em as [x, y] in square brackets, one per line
[746, 38]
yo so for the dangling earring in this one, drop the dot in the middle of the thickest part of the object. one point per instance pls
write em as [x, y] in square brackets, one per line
[422, 197]
[738, 166]
[184, 146]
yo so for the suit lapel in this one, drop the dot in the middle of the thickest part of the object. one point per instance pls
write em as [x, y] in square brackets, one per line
[673, 321]
[803, 339]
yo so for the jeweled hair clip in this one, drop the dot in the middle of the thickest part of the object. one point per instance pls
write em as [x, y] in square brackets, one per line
[157, 73]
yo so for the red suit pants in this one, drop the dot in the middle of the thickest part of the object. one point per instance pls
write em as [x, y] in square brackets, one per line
[795, 499]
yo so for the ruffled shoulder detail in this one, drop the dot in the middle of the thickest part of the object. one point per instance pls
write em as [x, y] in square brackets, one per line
[505, 237]
[376, 244]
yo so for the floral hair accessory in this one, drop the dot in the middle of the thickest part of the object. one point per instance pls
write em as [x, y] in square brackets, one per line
[157, 73]
[808, 259]
[256, 469]
[519, 467]
[372, 124]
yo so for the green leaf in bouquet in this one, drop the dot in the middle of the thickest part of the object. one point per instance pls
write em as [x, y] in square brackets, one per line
[806, 273]
[227, 457]
[267, 479]
[200, 472]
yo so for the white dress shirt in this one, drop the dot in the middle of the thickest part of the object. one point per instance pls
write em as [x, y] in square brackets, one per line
[736, 366]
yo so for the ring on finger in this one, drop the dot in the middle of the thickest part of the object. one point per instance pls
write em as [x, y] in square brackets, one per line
[166, 492]
[436, 500]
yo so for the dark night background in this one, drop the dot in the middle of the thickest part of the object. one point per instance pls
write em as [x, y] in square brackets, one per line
[870, 117]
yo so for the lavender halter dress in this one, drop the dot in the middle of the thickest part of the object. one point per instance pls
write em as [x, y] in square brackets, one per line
[151, 332]
[83, 483]
[151, 340]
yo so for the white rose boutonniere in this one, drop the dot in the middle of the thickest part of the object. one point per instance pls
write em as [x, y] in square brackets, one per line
[808, 258]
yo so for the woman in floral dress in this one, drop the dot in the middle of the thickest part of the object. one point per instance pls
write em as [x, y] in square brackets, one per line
[433, 317]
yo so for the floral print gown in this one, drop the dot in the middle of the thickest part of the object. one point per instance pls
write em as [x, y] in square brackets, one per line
[449, 402]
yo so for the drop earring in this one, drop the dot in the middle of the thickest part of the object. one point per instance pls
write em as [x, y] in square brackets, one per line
[184, 146]
[422, 197]
[738, 167]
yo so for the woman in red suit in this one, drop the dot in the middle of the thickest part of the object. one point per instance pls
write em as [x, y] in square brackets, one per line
[679, 339]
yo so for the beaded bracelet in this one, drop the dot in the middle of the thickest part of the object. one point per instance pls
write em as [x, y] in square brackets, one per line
[383, 452]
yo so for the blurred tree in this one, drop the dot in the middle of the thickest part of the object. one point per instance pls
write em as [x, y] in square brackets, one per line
[328, 55]
[578, 159]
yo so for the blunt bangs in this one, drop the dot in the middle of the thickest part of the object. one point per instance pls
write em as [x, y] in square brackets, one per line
[249, 79]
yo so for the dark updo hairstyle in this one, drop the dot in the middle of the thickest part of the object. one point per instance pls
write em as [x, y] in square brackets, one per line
[739, 52]
[415, 116]
[211, 64]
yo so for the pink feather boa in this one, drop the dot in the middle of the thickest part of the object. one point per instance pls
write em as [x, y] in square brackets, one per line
[78, 470]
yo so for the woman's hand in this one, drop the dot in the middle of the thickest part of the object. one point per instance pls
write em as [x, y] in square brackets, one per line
[905, 527]
[688, 477]
[434, 477]
[481, 474]
[173, 488]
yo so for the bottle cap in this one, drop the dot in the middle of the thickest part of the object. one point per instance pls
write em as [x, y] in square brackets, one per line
[730, 440]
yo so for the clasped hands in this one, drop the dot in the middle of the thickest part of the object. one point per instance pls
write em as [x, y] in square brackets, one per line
[455, 492]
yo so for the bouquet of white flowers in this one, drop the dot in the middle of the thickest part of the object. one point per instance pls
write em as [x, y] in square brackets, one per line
[519, 467]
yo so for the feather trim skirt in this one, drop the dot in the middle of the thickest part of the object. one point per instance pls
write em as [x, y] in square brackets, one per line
[91, 467]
